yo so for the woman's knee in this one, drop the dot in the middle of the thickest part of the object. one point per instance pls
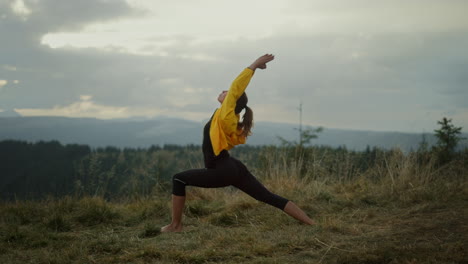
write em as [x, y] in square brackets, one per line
[177, 177]
[178, 185]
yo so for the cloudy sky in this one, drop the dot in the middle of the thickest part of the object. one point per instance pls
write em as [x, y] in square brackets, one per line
[358, 64]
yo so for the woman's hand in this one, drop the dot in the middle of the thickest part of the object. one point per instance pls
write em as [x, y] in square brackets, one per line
[261, 62]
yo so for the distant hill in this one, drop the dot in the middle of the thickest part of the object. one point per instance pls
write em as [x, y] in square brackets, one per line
[144, 133]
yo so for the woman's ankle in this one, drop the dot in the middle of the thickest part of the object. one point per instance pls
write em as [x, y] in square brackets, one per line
[176, 225]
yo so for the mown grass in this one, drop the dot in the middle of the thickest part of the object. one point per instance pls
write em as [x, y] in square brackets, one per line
[400, 213]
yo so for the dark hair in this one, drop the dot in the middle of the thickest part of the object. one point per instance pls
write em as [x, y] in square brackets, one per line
[241, 103]
[247, 122]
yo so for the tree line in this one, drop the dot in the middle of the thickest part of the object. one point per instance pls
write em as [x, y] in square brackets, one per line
[37, 170]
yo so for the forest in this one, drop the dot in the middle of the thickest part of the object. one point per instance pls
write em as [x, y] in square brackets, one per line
[50, 169]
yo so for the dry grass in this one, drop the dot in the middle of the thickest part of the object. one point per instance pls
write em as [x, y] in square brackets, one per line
[397, 213]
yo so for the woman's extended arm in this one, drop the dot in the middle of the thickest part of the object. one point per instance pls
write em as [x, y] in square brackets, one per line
[239, 85]
[261, 62]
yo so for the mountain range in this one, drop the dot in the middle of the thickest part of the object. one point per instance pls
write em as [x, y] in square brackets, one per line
[143, 133]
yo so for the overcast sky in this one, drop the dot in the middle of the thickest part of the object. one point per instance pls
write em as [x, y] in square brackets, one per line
[397, 65]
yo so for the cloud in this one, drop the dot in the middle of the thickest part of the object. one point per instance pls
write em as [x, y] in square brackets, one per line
[376, 17]
[19, 8]
[86, 97]
[9, 68]
[59, 15]
[3, 83]
[87, 108]
[59, 74]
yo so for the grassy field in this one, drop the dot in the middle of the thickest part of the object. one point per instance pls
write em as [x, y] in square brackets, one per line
[402, 213]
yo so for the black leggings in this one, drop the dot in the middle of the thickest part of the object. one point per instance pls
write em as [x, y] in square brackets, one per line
[228, 171]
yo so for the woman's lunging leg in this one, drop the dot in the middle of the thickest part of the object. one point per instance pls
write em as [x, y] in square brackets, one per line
[251, 186]
[254, 188]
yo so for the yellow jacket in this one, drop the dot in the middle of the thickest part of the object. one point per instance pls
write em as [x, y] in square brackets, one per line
[224, 133]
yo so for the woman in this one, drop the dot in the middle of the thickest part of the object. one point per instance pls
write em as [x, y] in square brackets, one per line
[222, 132]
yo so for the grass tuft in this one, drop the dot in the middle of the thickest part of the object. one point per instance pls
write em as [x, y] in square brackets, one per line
[150, 230]
[58, 223]
[22, 213]
[225, 219]
[199, 208]
[94, 210]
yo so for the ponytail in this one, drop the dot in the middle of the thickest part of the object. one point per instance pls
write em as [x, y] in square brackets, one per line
[247, 122]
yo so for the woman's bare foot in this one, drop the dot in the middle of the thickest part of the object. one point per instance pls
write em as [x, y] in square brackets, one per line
[293, 210]
[171, 228]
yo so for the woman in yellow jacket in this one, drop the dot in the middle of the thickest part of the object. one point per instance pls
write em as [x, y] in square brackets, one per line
[222, 132]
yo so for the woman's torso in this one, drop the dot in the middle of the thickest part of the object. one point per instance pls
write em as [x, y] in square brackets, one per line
[208, 154]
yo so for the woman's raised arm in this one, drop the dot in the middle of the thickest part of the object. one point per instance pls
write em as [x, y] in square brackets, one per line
[261, 62]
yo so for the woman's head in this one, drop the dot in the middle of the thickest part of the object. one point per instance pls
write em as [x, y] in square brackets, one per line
[240, 104]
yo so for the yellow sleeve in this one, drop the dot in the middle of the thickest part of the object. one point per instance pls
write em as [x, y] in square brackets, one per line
[227, 115]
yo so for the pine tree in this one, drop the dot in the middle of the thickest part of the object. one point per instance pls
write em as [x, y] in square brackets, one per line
[448, 137]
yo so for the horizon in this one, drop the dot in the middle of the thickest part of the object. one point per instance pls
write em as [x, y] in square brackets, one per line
[304, 126]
